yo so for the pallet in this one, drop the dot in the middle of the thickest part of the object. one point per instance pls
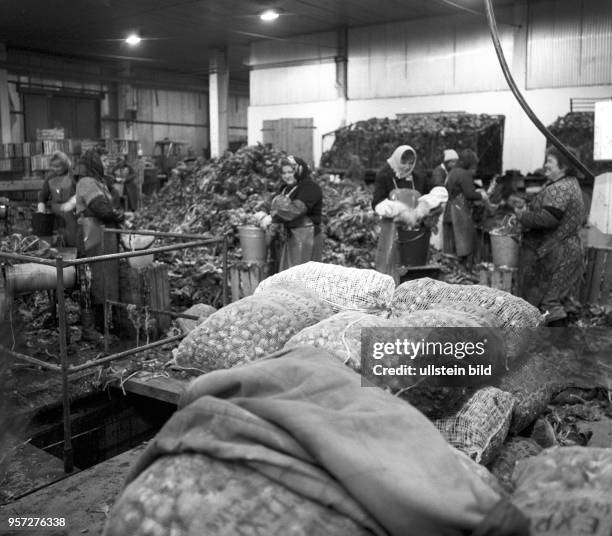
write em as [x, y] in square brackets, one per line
[245, 276]
[497, 277]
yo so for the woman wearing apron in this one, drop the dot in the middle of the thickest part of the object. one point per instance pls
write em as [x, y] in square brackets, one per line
[395, 180]
[57, 190]
[297, 211]
[94, 206]
[459, 228]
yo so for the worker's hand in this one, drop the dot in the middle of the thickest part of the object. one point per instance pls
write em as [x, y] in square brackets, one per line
[483, 194]
[69, 205]
[41, 207]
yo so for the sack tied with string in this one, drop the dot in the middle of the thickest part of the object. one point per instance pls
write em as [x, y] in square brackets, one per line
[340, 335]
[250, 328]
[343, 288]
[481, 425]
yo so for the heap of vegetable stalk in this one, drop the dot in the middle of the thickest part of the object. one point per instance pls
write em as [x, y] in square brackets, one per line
[224, 194]
[576, 129]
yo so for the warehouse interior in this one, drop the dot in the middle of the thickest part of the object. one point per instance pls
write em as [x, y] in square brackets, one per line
[163, 406]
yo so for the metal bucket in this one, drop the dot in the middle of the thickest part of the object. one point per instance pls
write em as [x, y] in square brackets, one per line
[505, 249]
[253, 243]
[42, 224]
[413, 246]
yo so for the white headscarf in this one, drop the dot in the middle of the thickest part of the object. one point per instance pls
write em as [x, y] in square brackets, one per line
[395, 161]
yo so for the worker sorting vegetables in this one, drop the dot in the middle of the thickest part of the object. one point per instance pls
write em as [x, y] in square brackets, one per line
[399, 201]
[295, 216]
[551, 253]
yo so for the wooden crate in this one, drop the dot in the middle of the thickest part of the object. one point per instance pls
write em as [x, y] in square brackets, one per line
[245, 276]
[505, 279]
[146, 286]
[596, 285]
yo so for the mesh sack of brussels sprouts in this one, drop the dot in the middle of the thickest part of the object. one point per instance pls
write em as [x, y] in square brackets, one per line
[250, 328]
[343, 288]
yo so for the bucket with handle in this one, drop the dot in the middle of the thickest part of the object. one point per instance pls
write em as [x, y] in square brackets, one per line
[253, 243]
[505, 249]
[42, 223]
[413, 246]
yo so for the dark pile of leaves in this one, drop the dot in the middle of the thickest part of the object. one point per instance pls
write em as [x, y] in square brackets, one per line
[224, 194]
[576, 129]
[429, 134]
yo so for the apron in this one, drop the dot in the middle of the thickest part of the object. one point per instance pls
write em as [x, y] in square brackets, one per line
[387, 254]
[104, 275]
[299, 244]
[298, 247]
[463, 225]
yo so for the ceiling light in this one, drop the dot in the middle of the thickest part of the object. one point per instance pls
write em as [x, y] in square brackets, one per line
[269, 14]
[133, 39]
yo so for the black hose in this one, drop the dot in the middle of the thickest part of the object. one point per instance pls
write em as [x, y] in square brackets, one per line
[521, 100]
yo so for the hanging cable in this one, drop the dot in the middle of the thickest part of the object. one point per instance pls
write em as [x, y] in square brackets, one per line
[521, 100]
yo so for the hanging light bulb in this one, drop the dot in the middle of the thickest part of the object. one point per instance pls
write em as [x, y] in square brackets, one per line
[133, 39]
[269, 15]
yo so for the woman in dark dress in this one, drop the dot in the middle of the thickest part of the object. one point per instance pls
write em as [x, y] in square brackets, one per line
[297, 212]
[551, 253]
[459, 228]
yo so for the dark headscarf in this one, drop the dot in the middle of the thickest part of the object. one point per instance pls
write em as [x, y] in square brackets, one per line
[91, 165]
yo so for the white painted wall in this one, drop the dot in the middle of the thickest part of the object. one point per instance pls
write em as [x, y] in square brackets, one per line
[328, 116]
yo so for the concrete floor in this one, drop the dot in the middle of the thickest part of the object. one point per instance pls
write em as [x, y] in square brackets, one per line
[84, 499]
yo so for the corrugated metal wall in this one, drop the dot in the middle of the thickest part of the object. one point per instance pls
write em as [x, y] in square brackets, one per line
[569, 43]
[300, 69]
[164, 106]
[425, 57]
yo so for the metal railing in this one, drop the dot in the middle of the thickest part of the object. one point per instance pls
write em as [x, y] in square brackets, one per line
[66, 370]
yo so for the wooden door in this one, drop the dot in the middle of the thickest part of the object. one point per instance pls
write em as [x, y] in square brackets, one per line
[293, 135]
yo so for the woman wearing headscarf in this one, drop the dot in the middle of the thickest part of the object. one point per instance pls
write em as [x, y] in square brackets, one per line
[398, 173]
[551, 251]
[94, 207]
[57, 190]
[459, 228]
[297, 212]
[395, 180]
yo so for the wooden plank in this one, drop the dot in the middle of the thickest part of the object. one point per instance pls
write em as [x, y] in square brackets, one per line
[160, 388]
[25, 185]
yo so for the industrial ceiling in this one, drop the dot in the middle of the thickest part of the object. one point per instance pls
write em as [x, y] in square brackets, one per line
[178, 33]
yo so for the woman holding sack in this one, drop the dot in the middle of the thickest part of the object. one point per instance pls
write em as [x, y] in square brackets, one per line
[551, 251]
[94, 206]
[396, 180]
[459, 228]
[296, 211]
